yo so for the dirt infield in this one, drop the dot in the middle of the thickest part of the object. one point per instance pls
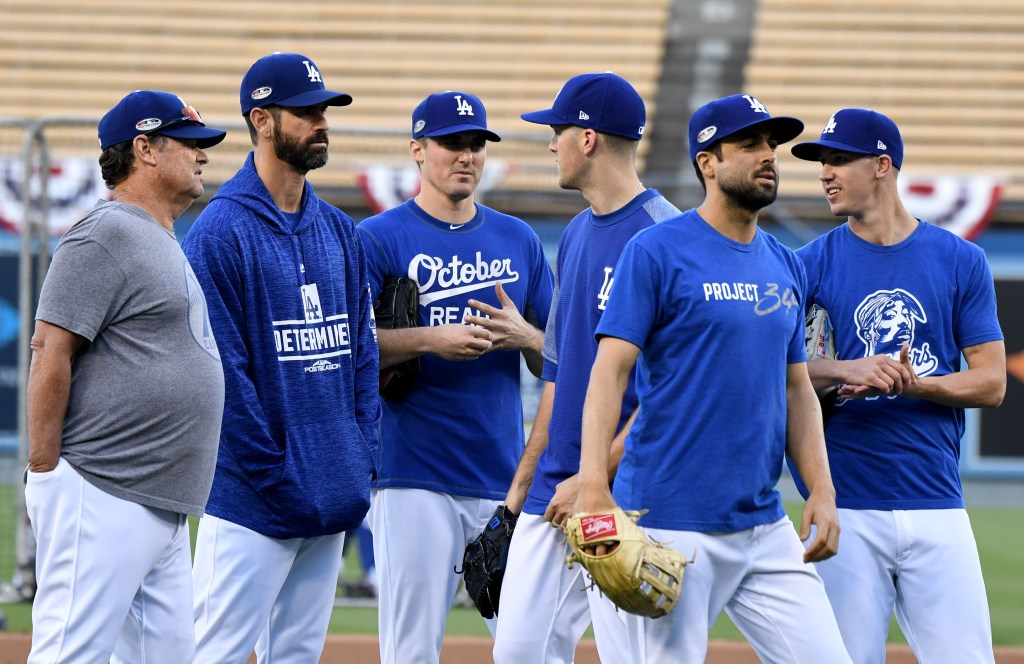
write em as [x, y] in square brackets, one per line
[475, 650]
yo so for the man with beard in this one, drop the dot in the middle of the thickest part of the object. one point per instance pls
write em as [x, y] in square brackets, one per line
[286, 281]
[711, 292]
[450, 444]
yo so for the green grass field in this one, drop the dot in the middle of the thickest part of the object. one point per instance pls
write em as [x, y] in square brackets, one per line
[999, 532]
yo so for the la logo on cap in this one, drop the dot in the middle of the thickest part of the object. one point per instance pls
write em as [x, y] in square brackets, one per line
[463, 106]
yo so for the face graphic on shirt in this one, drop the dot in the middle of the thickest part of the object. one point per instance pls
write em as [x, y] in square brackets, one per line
[886, 320]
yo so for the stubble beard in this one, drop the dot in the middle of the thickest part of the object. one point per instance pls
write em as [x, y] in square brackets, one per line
[749, 196]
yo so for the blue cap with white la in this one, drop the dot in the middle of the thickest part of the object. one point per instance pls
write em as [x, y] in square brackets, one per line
[603, 102]
[450, 112]
[857, 130]
[155, 112]
[721, 118]
[286, 79]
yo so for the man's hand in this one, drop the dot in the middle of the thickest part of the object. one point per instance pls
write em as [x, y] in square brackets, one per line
[877, 375]
[561, 505]
[590, 501]
[457, 342]
[509, 330]
[820, 511]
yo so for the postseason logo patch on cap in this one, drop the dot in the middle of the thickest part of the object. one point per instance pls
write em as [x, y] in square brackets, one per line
[706, 133]
[261, 93]
[148, 124]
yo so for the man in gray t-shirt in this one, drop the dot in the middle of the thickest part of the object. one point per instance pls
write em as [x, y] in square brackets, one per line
[125, 398]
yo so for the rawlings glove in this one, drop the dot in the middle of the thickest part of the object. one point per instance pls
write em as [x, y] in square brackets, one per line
[397, 308]
[483, 564]
[641, 576]
[820, 340]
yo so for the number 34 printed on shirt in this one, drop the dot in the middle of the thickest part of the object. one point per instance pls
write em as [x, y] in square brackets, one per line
[772, 300]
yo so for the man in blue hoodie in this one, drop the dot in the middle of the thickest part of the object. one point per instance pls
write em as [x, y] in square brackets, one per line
[286, 282]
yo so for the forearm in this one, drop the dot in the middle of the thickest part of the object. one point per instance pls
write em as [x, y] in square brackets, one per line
[825, 373]
[535, 445]
[974, 388]
[532, 353]
[397, 346]
[805, 441]
[49, 389]
[609, 378]
[618, 447]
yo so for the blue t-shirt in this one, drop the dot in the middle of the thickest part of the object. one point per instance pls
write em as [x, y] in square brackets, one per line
[459, 429]
[934, 291]
[587, 252]
[718, 322]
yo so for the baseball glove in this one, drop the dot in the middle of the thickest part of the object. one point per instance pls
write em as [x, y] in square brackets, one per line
[397, 308]
[640, 575]
[820, 340]
[483, 564]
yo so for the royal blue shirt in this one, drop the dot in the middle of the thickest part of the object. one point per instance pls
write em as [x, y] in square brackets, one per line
[585, 269]
[718, 322]
[934, 291]
[459, 428]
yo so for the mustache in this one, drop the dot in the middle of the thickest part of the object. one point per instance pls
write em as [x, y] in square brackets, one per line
[769, 171]
[319, 137]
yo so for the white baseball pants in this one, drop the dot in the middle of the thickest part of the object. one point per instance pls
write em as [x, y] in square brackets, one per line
[546, 607]
[257, 592]
[925, 564]
[114, 576]
[759, 578]
[419, 538]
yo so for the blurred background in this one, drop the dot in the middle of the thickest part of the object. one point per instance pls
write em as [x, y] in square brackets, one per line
[951, 74]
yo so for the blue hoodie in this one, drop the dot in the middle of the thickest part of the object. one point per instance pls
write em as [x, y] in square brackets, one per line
[291, 311]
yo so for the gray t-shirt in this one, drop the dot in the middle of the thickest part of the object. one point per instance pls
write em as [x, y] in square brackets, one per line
[147, 394]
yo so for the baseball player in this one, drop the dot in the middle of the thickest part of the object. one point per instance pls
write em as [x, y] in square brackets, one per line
[713, 308]
[442, 470]
[286, 280]
[598, 121]
[125, 397]
[906, 299]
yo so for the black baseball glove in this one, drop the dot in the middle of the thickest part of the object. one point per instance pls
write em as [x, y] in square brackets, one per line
[483, 564]
[397, 308]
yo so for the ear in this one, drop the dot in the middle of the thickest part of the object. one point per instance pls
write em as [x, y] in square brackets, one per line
[588, 141]
[704, 165]
[144, 151]
[416, 150]
[263, 121]
[884, 167]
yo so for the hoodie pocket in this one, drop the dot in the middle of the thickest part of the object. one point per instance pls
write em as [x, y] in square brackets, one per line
[325, 483]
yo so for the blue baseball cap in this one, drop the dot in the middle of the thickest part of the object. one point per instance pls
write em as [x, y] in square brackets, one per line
[155, 112]
[604, 102]
[857, 130]
[444, 113]
[286, 79]
[721, 118]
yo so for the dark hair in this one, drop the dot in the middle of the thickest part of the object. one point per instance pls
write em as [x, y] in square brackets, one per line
[117, 161]
[715, 149]
[275, 112]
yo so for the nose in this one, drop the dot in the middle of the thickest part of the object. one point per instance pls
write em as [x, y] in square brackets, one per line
[553, 144]
[826, 173]
[201, 157]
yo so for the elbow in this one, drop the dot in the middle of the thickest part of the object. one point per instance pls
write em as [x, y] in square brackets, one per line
[994, 397]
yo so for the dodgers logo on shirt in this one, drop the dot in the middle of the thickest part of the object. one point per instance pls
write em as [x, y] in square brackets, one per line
[887, 319]
[316, 336]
